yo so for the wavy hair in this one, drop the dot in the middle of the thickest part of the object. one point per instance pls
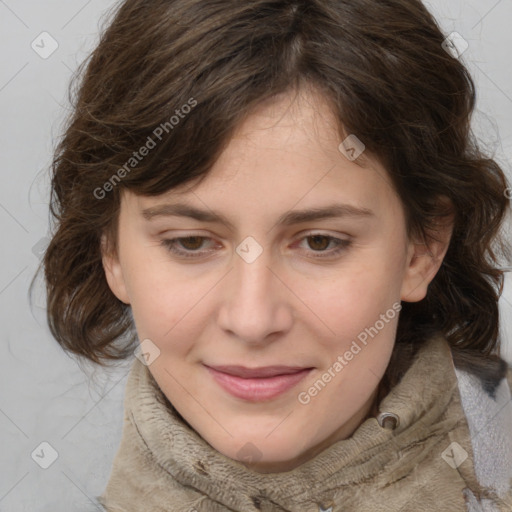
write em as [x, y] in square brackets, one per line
[384, 70]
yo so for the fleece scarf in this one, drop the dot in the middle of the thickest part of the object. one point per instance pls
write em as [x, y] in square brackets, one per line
[424, 463]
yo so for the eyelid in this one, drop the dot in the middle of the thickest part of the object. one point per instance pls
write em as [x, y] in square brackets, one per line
[301, 234]
[341, 244]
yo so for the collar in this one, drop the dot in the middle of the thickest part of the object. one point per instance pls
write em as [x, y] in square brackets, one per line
[417, 420]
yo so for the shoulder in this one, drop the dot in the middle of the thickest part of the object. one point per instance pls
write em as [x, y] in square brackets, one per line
[487, 403]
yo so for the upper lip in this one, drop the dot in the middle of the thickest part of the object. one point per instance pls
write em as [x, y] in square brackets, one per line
[261, 372]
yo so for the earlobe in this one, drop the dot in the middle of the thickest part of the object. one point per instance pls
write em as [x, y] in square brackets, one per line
[423, 263]
[113, 272]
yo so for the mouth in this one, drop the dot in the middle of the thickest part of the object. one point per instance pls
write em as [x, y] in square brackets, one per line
[257, 384]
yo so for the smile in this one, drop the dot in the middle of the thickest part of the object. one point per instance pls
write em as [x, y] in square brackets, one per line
[257, 384]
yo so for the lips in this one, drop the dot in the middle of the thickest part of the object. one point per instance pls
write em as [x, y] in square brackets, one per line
[257, 384]
[257, 373]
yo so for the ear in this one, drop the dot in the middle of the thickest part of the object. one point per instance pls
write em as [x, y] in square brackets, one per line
[424, 261]
[113, 271]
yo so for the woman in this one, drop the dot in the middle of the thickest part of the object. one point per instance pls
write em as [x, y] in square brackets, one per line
[283, 201]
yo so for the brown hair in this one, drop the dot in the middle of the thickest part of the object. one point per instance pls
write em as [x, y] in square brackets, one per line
[383, 69]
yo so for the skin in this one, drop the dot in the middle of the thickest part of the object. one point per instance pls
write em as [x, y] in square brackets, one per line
[287, 307]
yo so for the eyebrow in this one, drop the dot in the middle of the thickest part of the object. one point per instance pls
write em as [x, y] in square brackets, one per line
[287, 219]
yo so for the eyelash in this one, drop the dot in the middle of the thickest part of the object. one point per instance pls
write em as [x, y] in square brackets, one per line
[170, 245]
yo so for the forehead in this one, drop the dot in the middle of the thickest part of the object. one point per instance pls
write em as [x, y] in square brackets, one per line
[286, 154]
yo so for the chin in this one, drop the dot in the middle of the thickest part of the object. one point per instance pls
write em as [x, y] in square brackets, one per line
[271, 465]
[265, 456]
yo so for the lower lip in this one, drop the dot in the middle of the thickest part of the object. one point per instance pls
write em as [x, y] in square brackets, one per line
[257, 390]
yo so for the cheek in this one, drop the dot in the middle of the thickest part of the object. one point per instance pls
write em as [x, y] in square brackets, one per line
[359, 302]
[362, 319]
[162, 298]
[357, 296]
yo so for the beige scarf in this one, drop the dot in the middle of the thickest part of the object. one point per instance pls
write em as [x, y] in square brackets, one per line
[162, 465]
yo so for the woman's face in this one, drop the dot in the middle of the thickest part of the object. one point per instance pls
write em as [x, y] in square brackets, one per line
[263, 279]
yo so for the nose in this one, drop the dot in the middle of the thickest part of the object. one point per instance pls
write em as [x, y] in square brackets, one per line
[256, 303]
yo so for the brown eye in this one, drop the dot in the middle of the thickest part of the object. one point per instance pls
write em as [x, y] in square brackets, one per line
[320, 242]
[320, 245]
[191, 243]
[187, 246]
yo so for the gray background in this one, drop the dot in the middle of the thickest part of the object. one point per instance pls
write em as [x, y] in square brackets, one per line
[45, 396]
